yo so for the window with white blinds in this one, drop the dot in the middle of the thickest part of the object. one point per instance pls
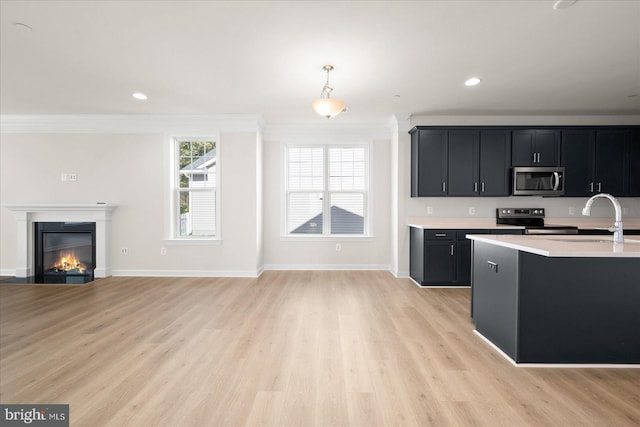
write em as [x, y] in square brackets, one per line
[326, 190]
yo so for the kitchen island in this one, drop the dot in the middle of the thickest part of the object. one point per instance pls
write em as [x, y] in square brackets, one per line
[558, 299]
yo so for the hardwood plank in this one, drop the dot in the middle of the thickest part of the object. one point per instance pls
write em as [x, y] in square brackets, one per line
[289, 348]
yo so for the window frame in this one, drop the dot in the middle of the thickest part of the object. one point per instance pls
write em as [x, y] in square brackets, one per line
[173, 186]
[326, 191]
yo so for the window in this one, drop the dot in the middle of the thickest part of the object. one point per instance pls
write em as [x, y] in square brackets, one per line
[195, 188]
[327, 190]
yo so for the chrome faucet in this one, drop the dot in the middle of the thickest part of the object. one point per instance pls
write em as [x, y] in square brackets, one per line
[618, 236]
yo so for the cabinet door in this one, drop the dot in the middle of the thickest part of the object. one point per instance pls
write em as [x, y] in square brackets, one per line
[463, 163]
[577, 158]
[495, 295]
[611, 162]
[495, 157]
[439, 262]
[428, 163]
[535, 147]
[547, 147]
[522, 148]
[634, 164]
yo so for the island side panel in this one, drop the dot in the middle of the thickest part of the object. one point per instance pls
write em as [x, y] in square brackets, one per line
[416, 254]
[578, 310]
[495, 295]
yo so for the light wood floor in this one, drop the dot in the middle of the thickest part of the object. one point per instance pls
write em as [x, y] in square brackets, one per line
[290, 349]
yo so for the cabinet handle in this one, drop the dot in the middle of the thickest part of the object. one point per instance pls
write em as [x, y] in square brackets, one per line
[441, 234]
[538, 157]
[482, 189]
[444, 187]
[591, 187]
[451, 249]
[493, 266]
[534, 157]
[475, 187]
[599, 187]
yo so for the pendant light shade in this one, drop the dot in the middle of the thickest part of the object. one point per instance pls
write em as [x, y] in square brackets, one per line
[328, 107]
[325, 105]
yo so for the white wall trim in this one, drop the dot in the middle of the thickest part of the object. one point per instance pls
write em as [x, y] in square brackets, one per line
[400, 274]
[8, 272]
[130, 123]
[326, 267]
[187, 273]
[335, 132]
[524, 120]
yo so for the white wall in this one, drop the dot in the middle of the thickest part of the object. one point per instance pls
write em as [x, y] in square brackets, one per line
[129, 170]
[294, 253]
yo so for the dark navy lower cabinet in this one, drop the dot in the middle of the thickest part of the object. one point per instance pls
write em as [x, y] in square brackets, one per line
[539, 309]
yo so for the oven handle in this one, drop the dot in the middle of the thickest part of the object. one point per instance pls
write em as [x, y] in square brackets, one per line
[556, 179]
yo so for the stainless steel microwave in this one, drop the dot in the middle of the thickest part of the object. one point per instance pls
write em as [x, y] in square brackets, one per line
[538, 181]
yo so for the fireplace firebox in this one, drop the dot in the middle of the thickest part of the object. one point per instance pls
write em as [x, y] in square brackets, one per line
[65, 252]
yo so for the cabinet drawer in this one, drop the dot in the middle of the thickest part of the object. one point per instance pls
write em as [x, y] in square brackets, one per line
[440, 234]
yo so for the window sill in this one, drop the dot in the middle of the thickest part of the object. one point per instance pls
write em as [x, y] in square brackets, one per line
[192, 241]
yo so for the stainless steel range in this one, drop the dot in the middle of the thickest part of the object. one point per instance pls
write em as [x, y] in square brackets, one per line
[532, 219]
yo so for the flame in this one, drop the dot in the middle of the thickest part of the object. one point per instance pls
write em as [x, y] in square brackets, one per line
[68, 262]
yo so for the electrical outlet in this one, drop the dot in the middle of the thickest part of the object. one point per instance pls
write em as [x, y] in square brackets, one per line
[73, 177]
[163, 251]
[63, 177]
[472, 210]
[625, 211]
[429, 210]
[338, 247]
[124, 251]
[572, 211]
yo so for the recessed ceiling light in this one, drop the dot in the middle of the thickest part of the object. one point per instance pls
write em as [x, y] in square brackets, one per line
[139, 95]
[472, 81]
[563, 4]
[22, 26]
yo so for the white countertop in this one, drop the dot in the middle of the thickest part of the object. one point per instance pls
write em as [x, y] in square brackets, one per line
[458, 223]
[490, 223]
[566, 245]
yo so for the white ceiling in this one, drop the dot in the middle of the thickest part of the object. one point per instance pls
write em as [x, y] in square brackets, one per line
[266, 57]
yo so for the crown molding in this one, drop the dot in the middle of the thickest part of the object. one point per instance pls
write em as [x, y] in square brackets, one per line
[333, 131]
[130, 123]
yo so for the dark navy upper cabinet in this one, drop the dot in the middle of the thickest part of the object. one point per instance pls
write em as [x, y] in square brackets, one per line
[634, 163]
[535, 147]
[428, 162]
[578, 150]
[495, 156]
[460, 162]
[611, 170]
[462, 167]
[596, 161]
[476, 161]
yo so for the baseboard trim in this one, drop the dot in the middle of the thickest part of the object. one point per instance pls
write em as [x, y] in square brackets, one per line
[325, 267]
[186, 273]
[8, 272]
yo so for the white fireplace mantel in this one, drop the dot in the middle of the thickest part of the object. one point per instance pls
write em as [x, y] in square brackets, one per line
[26, 215]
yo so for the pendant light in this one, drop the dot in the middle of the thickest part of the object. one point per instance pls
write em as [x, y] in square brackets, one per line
[325, 105]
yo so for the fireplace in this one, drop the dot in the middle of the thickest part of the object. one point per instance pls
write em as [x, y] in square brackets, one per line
[27, 215]
[65, 252]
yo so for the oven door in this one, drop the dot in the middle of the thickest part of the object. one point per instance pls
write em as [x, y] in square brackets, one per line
[533, 181]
